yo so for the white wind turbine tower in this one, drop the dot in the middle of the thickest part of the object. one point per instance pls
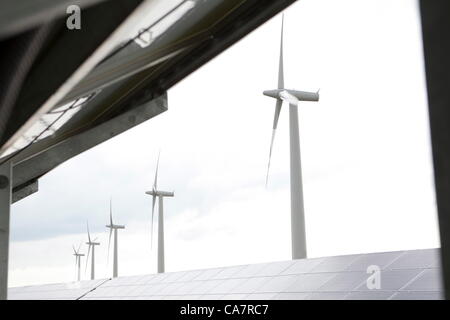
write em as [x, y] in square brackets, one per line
[91, 243]
[78, 256]
[292, 97]
[114, 227]
[160, 194]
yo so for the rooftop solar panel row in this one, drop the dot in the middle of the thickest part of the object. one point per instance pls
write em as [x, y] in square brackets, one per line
[404, 275]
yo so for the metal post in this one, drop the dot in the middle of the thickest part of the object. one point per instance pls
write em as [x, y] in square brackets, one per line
[115, 267]
[5, 210]
[297, 209]
[160, 236]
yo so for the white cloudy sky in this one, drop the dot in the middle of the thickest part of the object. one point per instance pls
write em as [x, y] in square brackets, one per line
[365, 146]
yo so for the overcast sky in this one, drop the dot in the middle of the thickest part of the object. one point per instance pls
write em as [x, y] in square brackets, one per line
[365, 147]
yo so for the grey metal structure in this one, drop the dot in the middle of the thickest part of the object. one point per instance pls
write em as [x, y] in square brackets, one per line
[111, 226]
[5, 210]
[46, 67]
[78, 255]
[91, 244]
[155, 193]
[298, 233]
[61, 291]
[404, 275]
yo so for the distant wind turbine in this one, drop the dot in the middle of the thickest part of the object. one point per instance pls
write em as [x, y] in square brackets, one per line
[160, 194]
[114, 227]
[91, 243]
[297, 208]
[78, 256]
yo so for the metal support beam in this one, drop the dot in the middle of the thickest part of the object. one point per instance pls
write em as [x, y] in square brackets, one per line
[5, 211]
[24, 191]
[34, 167]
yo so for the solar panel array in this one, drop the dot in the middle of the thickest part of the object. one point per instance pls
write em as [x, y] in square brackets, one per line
[404, 275]
[60, 291]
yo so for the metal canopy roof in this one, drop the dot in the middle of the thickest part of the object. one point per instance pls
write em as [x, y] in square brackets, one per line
[103, 80]
[404, 275]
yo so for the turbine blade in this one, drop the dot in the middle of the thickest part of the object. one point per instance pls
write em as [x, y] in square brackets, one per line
[89, 235]
[155, 182]
[278, 105]
[110, 212]
[87, 258]
[281, 67]
[74, 251]
[276, 116]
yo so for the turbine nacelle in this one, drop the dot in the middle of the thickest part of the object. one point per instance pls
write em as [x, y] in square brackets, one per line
[285, 94]
[93, 243]
[157, 193]
[115, 226]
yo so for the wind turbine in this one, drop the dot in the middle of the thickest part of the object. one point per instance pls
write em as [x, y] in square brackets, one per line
[91, 243]
[160, 194]
[292, 97]
[114, 227]
[78, 256]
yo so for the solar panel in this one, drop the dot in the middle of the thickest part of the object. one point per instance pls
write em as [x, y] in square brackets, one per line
[189, 275]
[260, 296]
[327, 296]
[394, 279]
[249, 270]
[292, 296]
[369, 295]
[205, 286]
[173, 277]
[417, 295]
[404, 275]
[309, 282]
[67, 291]
[335, 264]
[427, 280]
[417, 259]
[345, 281]
[273, 269]
[208, 274]
[303, 266]
[228, 273]
[233, 297]
[225, 286]
[276, 284]
[380, 259]
[249, 285]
